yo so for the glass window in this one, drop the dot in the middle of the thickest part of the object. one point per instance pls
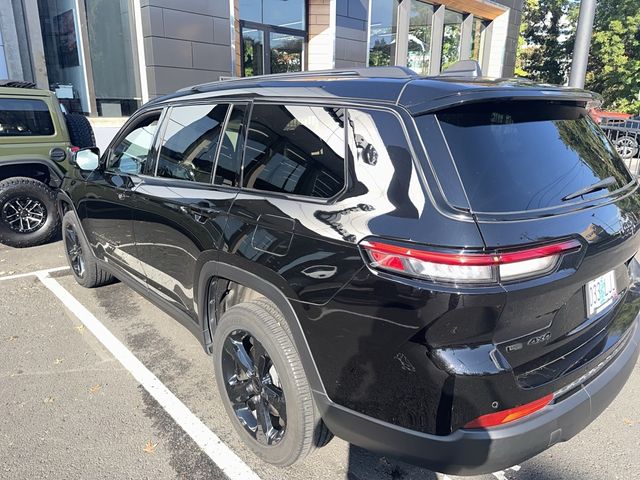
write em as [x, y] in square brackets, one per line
[3, 61]
[295, 149]
[451, 38]
[190, 142]
[230, 155]
[23, 118]
[382, 33]
[130, 155]
[286, 53]
[279, 13]
[419, 50]
[251, 10]
[284, 13]
[113, 60]
[477, 38]
[253, 52]
[527, 155]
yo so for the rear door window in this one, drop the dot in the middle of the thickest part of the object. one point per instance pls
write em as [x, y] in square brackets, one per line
[296, 149]
[190, 142]
[528, 155]
[24, 118]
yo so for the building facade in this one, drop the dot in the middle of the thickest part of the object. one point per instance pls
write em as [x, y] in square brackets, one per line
[107, 57]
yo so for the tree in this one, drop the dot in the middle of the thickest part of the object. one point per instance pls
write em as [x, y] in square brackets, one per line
[614, 59]
[542, 51]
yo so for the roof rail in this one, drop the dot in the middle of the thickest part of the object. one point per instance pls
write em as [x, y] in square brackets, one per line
[369, 72]
[463, 68]
[16, 84]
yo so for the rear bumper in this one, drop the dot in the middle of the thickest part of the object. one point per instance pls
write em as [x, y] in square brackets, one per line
[472, 452]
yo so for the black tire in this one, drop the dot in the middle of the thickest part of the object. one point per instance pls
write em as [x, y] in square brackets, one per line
[90, 275]
[80, 131]
[264, 323]
[35, 202]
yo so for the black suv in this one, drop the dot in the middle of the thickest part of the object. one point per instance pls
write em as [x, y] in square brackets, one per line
[441, 269]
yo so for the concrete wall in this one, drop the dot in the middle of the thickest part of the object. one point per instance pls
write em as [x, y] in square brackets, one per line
[352, 32]
[186, 42]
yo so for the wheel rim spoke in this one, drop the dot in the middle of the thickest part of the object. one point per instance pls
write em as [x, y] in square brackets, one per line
[268, 431]
[275, 399]
[238, 391]
[240, 355]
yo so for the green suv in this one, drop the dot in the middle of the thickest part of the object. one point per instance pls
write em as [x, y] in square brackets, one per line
[36, 142]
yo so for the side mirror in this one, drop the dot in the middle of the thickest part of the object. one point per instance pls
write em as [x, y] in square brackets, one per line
[86, 159]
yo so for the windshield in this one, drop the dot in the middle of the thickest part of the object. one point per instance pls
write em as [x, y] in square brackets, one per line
[528, 155]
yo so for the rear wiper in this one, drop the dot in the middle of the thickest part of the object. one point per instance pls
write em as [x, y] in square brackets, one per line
[601, 185]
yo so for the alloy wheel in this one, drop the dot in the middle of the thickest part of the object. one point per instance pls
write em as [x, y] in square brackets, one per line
[254, 388]
[24, 214]
[74, 250]
[627, 147]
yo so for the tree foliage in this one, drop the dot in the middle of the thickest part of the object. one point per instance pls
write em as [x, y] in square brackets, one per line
[542, 51]
[547, 36]
[614, 59]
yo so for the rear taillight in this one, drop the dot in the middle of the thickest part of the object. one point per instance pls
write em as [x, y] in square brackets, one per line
[467, 267]
[510, 415]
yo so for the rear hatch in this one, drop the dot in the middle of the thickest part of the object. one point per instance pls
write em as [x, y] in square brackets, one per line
[537, 172]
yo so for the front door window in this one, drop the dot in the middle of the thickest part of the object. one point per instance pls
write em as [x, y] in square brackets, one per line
[130, 155]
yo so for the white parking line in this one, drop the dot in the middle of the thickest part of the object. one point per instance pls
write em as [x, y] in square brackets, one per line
[31, 274]
[209, 442]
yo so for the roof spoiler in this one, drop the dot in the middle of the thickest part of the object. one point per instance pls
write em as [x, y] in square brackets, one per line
[463, 68]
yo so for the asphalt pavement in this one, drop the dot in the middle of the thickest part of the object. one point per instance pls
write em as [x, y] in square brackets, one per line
[72, 406]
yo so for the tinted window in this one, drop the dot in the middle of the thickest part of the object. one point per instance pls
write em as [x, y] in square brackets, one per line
[228, 166]
[130, 155]
[295, 149]
[23, 118]
[190, 142]
[515, 156]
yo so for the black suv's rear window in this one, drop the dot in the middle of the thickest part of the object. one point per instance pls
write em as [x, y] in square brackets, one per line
[24, 117]
[527, 155]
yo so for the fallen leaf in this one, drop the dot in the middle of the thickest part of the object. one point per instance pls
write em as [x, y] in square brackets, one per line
[12, 338]
[80, 328]
[150, 447]
[58, 361]
[48, 400]
[628, 421]
[96, 388]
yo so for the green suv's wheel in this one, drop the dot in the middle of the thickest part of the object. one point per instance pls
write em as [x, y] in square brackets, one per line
[28, 214]
[263, 386]
[83, 264]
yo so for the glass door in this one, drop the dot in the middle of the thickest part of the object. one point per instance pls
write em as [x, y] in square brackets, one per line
[419, 48]
[285, 52]
[252, 52]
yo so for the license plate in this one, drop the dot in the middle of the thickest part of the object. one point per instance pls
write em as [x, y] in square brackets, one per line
[600, 293]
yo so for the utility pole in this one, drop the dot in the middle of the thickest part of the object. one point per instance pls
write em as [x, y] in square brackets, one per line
[583, 42]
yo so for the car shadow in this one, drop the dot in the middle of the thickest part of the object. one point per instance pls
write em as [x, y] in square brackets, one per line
[366, 465]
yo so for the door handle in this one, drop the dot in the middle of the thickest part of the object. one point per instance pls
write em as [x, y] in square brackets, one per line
[198, 211]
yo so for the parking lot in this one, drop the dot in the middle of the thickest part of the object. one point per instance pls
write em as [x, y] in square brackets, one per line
[102, 384]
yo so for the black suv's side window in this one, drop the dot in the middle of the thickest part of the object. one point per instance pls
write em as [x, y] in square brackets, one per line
[228, 167]
[130, 155]
[295, 149]
[190, 142]
[24, 118]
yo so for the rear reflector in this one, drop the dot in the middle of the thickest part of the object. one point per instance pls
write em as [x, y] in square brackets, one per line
[465, 267]
[506, 416]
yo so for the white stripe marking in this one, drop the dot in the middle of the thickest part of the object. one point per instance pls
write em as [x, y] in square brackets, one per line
[30, 274]
[210, 444]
